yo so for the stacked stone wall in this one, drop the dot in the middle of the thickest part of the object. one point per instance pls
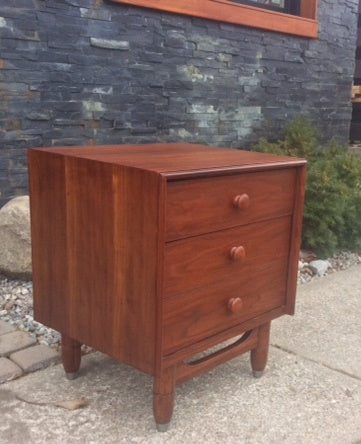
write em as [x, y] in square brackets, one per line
[97, 72]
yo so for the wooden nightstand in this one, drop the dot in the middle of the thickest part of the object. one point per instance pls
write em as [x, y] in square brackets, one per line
[156, 253]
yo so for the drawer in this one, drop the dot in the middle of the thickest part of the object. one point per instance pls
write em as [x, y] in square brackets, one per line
[206, 311]
[202, 260]
[210, 204]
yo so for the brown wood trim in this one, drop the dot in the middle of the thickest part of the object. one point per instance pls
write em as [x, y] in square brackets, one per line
[230, 170]
[259, 354]
[191, 350]
[187, 371]
[309, 9]
[296, 234]
[223, 10]
[162, 195]
[164, 395]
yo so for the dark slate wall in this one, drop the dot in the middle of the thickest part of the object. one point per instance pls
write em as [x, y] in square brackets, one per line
[97, 72]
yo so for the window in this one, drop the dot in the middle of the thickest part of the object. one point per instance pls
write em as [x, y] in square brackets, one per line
[288, 16]
[286, 6]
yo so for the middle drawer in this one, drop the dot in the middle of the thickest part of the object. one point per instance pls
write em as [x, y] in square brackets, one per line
[224, 255]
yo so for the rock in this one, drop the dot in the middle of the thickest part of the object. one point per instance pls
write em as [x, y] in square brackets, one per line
[15, 244]
[307, 256]
[319, 267]
[109, 44]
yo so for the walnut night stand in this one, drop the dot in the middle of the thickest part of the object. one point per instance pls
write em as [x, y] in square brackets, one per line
[155, 253]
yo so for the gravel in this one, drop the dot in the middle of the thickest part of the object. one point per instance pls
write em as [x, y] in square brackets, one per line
[16, 297]
[16, 307]
[339, 261]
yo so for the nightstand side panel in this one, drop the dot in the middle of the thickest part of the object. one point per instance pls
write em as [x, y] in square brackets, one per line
[49, 238]
[109, 259]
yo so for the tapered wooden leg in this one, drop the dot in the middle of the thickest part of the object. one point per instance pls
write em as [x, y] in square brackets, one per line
[259, 354]
[163, 398]
[71, 353]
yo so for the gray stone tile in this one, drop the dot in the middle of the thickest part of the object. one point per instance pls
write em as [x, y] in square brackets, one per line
[8, 370]
[6, 327]
[35, 358]
[12, 342]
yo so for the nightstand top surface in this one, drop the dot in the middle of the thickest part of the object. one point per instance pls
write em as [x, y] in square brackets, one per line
[173, 159]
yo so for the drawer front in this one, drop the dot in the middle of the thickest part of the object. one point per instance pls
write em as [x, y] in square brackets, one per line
[206, 311]
[225, 256]
[209, 204]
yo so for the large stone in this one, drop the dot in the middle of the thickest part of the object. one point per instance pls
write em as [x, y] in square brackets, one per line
[15, 244]
[319, 267]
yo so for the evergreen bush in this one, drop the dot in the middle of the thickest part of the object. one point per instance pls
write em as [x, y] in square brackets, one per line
[332, 216]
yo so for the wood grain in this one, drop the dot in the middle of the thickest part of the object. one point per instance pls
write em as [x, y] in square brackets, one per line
[187, 370]
[49, 238]
[90, 253]
[192, 316]
[186, 353]
[296, 236]
[204, 260]
[95, 262]
[178, 160]
[71, 354]
[259, 354]
[164, 395]
[201, 206]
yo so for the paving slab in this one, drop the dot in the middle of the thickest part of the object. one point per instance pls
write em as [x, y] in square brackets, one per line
[35, 358]
[8, 370]
[327, 325]
[6, 327]
[14, 341]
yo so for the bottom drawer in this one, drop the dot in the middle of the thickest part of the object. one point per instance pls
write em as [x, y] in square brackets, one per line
[194, 315]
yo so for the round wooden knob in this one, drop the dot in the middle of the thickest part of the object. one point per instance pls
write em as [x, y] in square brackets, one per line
[235, 305]
[237, 253]
[241, 201]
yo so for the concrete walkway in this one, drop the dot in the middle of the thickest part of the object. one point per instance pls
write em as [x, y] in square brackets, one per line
[311, 392]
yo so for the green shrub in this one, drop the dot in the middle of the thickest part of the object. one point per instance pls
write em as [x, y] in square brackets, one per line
[332, 216]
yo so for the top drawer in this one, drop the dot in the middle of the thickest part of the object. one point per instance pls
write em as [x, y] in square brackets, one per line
[209, 204]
